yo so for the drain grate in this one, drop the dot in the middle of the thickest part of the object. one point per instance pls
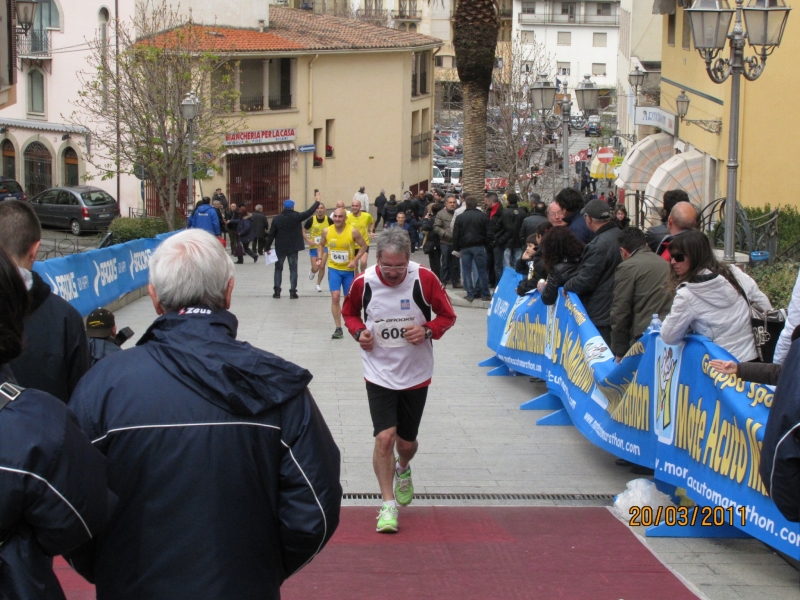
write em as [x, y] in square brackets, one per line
[563, 497]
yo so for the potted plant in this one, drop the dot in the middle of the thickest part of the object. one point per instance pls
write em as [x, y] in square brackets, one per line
[317, 161]
[328, 151]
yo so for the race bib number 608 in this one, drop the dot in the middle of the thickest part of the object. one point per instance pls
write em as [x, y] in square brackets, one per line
[390, 333]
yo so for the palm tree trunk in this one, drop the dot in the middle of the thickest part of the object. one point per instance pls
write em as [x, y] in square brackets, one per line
[475, 101]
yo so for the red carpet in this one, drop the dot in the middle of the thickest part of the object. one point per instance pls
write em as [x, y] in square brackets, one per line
[471, 553]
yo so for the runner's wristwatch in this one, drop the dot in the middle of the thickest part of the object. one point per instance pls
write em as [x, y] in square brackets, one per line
[358, 333]
[428, 332]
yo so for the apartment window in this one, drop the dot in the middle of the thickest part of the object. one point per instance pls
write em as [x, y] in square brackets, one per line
[527, 67]
[686, 34]
[36, 92]
[46, 15]
[568, 8]
[599, 69]
[419, 73]
[71, 167]
[329, 138]
[564, 38]
[563, 68]
[603, 9]
[529, 7]
[282, 75]
[671, 29]
[319, 151]
[600, 40]
[439, 61]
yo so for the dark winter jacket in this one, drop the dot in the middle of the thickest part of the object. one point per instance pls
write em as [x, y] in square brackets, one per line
[766, 373]
[54, 491]
[529, 226]
[222, 200]
[406, 206]
[286, 231]
[780, 452]
[511, 220]
[259, 224]
[390, 212]
[471, 229]
[54, 352]
[420, 207]
[655, 235]
[227, 474]
[432, 241]
[496, 239]
[577, 224]
[639, 293]
[99, 348]
[379, 203]
[244, 229]
[560, 274]
[528, 281]
[594, 281]
[205, 217]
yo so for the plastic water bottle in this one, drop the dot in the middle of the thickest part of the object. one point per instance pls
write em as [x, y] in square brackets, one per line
[655, 324]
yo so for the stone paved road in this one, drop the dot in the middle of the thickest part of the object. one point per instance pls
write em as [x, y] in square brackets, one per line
[474, 438]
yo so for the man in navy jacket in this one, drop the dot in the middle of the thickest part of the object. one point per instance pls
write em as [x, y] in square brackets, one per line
[227, 474]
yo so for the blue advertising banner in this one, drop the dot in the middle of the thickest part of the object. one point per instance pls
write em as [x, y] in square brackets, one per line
[99, 277]
[662, 406]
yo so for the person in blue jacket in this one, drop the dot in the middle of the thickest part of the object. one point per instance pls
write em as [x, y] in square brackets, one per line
[227, 474]
[54, 494]
[205, 217]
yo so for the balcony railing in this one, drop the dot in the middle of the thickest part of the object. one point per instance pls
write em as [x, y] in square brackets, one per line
[372, 14]
[280, 102]
[505, 12]
[407, 15]
[251, 103]
[416, 146]
[425, 144]
[535, 19]
[37, 44]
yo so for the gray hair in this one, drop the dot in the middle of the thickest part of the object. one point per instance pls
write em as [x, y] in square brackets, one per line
[259, 207]
[190, 268]
[394, 241]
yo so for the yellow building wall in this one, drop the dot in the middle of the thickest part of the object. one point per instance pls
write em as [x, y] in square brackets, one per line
[765, 148]
[368, 95]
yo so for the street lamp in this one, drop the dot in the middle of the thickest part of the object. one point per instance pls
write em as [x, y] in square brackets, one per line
[765, 21]
[636, 79]
[26, 11]
[543, 98]
[682, 104]
[189, 109]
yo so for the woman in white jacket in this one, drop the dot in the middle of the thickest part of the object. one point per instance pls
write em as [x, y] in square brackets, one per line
[711, 298]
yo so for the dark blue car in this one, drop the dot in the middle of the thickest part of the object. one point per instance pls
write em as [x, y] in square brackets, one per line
[11, 190]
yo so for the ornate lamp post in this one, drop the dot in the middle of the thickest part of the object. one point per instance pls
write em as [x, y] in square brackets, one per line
[26, 11]
[189, 109]
[764, 22]
[636, 79]
[543, 97]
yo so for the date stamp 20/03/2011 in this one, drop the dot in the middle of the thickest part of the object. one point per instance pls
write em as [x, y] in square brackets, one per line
[704, 516]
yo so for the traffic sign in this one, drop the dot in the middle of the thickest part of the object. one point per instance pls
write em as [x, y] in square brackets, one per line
[307, 148]
[605, 155]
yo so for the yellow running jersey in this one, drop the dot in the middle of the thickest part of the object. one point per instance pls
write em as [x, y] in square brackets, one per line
[362, 222]
[341, 248]
[316, 228]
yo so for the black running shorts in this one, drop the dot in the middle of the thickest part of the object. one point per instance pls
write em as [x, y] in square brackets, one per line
[396, 408]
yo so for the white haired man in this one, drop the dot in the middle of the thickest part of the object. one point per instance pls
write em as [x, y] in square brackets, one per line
[207, 438]
[398, 299]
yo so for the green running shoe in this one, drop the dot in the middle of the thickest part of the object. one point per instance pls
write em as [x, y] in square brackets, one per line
[387, 519]
[337, 334]
[404, 488]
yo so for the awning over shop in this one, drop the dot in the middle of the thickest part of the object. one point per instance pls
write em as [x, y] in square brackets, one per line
[683, 171]
[600, 170]
[260, 148]
[643, 159]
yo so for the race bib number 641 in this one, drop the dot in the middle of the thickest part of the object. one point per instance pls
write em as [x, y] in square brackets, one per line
[390, 333]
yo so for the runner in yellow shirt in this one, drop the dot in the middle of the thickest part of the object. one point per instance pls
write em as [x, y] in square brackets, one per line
[365, 224]
[312, 231]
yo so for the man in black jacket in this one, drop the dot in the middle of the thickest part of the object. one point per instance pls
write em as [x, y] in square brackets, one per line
[379, 203]
[511, 219]
[258, 224]
[495, 246]
[287, 233]
[207, 438]
[594, 281]
[55, 354]
[657, 233]
[471, 234]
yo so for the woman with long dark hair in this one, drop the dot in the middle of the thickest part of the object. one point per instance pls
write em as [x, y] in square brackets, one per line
[55, 494]
[561, 255]
[711, 298]
[621, 217]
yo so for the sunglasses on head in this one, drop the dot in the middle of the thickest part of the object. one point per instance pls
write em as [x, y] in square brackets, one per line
[677, 256]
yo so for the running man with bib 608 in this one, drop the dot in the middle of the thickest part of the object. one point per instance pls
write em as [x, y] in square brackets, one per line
[398, 299]
[337, 245]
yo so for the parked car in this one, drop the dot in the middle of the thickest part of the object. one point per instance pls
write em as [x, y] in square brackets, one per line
[437, 178]
[78, 208]
[11, 190]
[594, 126]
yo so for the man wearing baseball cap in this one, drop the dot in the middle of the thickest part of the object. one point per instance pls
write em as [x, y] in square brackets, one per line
[287, 233]
[594, 280]
[100, 331]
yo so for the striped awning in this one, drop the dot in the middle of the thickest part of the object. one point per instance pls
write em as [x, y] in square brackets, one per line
[600, 170]
[260, 148]
[643, 159]
[683, 171]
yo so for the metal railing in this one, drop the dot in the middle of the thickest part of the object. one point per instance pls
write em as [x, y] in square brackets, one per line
[416, 144]
[532, 18]
[505, 12]
[407, 15]
[251, 103]
[280, 102]
[376, 14]
[38, 44]
[752, 234]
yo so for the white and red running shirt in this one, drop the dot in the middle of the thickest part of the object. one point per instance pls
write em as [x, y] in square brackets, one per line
[385, 311]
